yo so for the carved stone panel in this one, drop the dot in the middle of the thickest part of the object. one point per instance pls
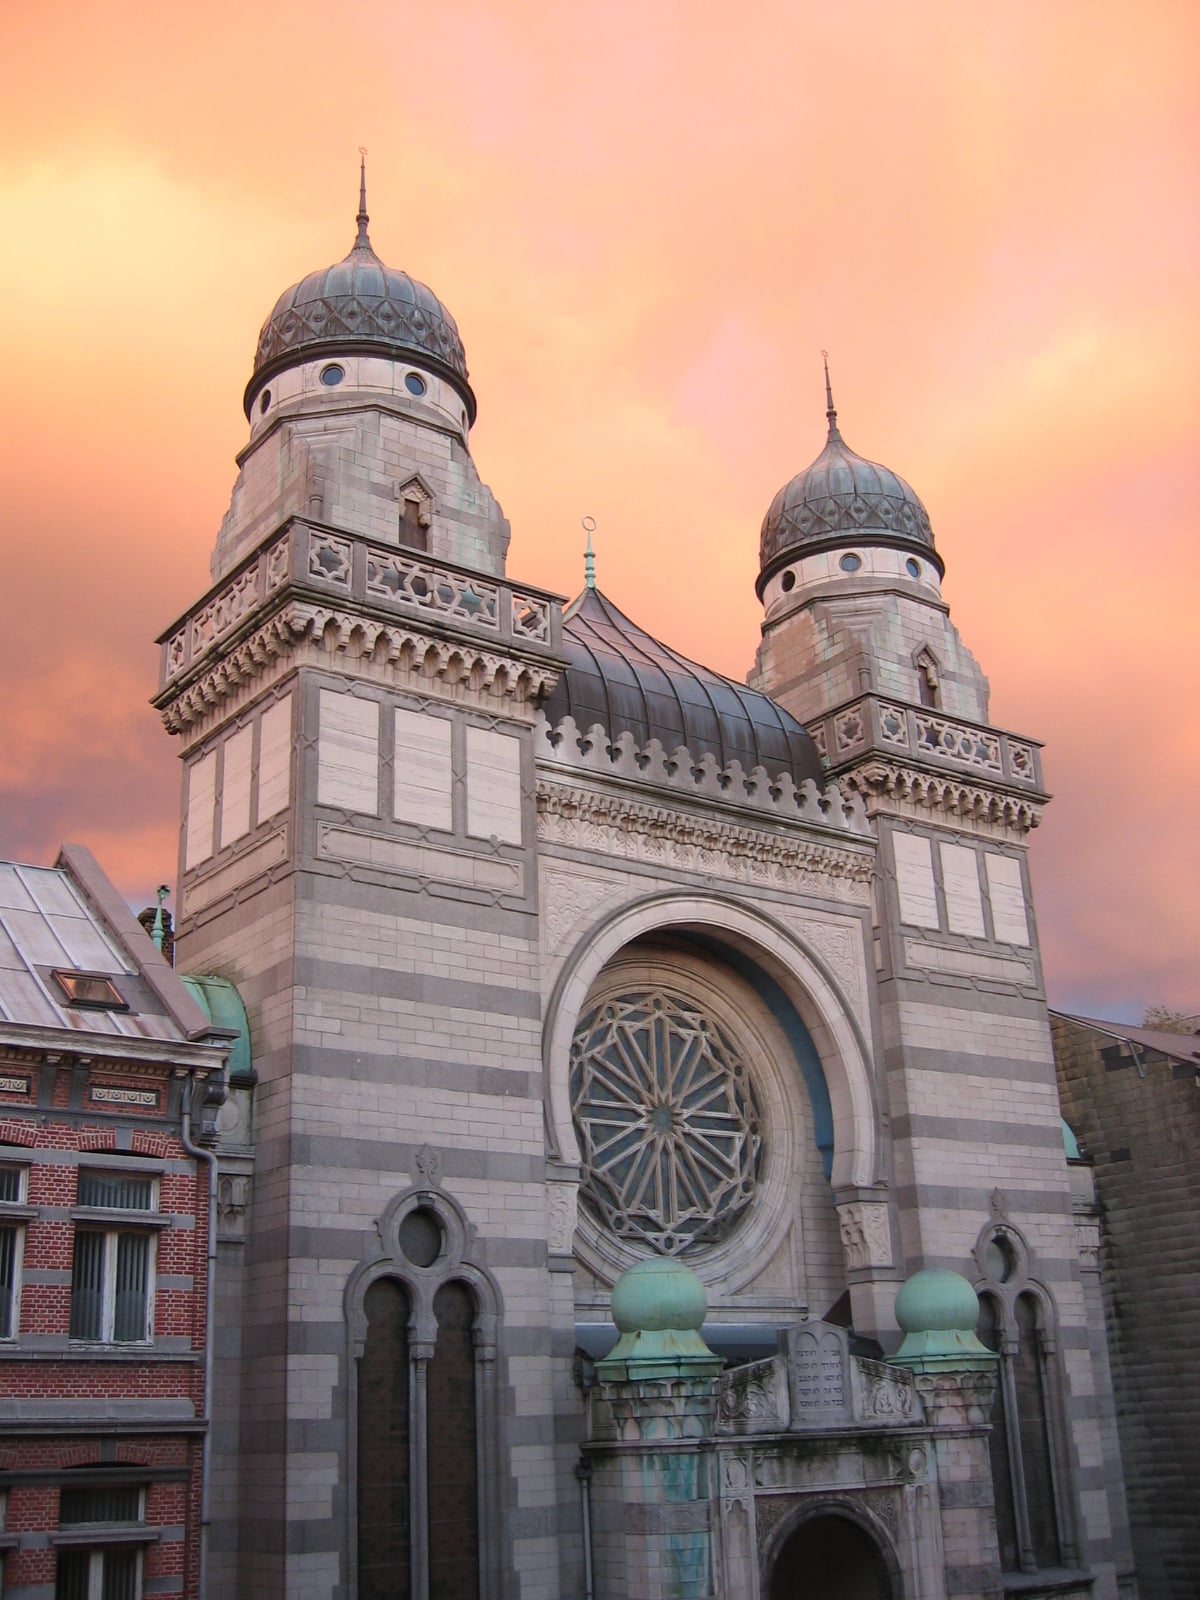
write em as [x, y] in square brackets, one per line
[866, 1234]
[754, 1398]
[818, 1378]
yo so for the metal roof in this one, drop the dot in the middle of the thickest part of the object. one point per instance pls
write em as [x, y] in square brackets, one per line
[621, 677]
[46, 923]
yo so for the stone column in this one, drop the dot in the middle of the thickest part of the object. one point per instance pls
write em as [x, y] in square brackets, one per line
[649, 1456]
[956, 1379]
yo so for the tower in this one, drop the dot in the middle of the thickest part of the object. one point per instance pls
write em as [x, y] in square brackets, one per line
[354, 702]
[858, 644]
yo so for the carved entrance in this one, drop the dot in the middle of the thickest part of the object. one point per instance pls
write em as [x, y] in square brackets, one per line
[829, 1557]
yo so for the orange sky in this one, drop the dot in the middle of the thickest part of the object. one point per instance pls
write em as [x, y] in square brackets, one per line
[647, 219]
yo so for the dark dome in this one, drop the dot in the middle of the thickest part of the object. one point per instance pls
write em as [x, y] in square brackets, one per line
[360, 306]
[620, 677]
[842, 494]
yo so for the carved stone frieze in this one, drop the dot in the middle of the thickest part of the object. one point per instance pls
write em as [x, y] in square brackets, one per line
[632, 829]
[866, 1234]
[883, 782]
[567, 897]
[562, 1204]
[882, 1393]
[327, 636]
[754, 1398]
[839, 947]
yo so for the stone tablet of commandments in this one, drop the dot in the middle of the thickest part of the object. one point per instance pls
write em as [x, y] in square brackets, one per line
[817, 1362]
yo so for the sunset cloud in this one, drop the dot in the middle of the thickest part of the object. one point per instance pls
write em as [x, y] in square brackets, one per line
[648, 220]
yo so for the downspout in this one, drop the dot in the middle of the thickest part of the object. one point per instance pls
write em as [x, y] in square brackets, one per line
[209, 1158]
[584, 1473]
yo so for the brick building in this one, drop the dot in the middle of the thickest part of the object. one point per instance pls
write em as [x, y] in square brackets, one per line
[1131, 1096]
[110, 1077]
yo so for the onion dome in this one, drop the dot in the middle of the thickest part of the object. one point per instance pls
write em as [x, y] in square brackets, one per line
[659, 1308]
[841, 498]
[939, 1311]
[617, 675]
[361, 306]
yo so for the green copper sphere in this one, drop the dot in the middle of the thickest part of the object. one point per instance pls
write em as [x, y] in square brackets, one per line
[936, 1300]
[658, 1295]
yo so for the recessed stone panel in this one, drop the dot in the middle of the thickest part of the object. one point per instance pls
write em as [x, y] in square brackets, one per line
[914, 880]
[202, 790]
[960, 884]
[348, 753]
[1007, 892]
[423, 770]
[493, 785]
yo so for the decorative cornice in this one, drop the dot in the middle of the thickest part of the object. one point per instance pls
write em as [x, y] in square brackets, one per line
[650, 766]
[318, 634]
[881, 782]
[669, 836]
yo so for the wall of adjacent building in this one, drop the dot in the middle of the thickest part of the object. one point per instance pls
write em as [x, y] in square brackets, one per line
[1136, 1113]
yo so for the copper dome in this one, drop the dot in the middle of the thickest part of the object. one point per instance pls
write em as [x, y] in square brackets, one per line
[361, 306]
[842, 496]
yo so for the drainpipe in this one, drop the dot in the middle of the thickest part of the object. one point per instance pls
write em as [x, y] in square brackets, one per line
[584, 1473]
[210, 1160]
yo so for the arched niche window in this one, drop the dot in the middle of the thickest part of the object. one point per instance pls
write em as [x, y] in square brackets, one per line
[422, 1320]
[1030, 1468]
[416, 514]
[928, 689]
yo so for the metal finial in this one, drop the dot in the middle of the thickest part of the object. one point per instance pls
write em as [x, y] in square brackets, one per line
[830, 410]
[362, 219]
[158, 931]
[589, 555]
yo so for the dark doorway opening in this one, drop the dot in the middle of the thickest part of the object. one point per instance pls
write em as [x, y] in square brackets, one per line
[831, 1558]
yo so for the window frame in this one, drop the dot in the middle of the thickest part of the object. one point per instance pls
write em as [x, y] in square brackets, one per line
[98, 1541]
[111, 1223]
[1004, 1292]
[14, 1214]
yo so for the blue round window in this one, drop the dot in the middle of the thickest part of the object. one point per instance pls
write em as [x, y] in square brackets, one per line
[332, 375]
[913, 568]
[414, 383]
[850, 563]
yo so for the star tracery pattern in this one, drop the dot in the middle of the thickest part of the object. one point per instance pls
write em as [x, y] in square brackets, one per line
[668, 1124]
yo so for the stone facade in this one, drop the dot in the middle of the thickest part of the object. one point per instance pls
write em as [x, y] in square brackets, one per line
[531, 1001]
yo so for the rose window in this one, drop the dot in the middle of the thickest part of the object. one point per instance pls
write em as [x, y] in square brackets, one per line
[668, 1125]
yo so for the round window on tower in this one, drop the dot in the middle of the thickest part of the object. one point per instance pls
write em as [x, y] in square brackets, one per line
[264, 402]
[414, 383]
[332, 375]
[850, 563]
[788, 582]
[913, 568]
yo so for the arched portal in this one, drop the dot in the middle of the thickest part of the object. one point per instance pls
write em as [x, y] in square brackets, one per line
[830, 1557]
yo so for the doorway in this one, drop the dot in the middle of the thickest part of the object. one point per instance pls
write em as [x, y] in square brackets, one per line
[829, 1557]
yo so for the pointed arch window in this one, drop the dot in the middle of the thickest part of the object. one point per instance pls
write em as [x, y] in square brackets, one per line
[416, 514]
[422, 1322]
[929, 691]
[1030, 1468]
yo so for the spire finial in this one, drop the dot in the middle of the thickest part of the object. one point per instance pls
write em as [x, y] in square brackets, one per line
[158, 931]
[830, 410]
[362, 241]
[589, 555]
